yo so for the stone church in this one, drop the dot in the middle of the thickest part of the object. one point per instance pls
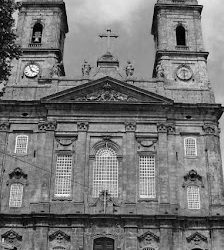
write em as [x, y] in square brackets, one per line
[108, 161]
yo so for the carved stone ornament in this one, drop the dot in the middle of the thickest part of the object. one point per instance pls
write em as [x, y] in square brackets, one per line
[17, 174]
[83, 126]
[58, 69]
[4, 126]
[193, 178]
[129, 69]
[197, 239]
[148, 239]
[147, 143]
[86, 68]
[107, 94]
[160, 71]
[210, 129]
[104, 202]
[161, 128]
[59, 237]
[12, 237]
[130, 126]
[2, 88]
[47, 126]
[65, 141]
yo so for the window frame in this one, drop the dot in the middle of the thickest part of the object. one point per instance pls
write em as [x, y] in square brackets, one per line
[117, 171]
[58, 154]
[181, 26]
[32, 33]
[146, 153]
[196, 147]
[147, 197]
[22, 196]
[16, 144]
[194, 207]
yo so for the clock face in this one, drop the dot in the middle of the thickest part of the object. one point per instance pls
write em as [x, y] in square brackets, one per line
[184, 73]
[31, 70]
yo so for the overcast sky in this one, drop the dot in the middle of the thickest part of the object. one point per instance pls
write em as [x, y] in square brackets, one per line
[132, 20]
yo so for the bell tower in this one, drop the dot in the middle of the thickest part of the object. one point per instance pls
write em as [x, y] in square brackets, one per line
[41, 29]
[180, 54]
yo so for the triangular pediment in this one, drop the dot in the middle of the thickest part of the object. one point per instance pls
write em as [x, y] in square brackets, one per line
[197, 237]
[106, 90]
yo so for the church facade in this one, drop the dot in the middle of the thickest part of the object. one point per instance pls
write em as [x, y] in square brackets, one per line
[110, 162]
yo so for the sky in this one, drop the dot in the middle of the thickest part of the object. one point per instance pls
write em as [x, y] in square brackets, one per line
[131, 20]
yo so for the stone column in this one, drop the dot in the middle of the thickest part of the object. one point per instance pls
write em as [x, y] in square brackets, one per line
[81, 168]
[162, 165]
[214, 163]
[130, 162]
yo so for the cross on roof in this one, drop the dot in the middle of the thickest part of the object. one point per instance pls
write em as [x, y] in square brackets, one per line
[108, 35]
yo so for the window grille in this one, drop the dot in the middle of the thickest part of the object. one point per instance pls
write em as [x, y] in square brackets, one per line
[21, 144]
[16, 195]
[147, 183]
[63, 176]
[148, 248]
[190, 145]
[193, 197]
[58, 248]
[105, 172]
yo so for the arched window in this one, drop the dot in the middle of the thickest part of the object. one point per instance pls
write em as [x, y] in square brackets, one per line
[37, 33]
[21, 144]
[63, 176]
[181, 36]
[16, 195]
[105, 172]
[190, 146]
[193, 197]
[103, 244]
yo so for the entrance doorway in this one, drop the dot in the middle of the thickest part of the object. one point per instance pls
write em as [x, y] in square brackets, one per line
[103, 244]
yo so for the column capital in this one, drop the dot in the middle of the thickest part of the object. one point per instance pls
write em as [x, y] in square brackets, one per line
[4, 126]
[82, 126]
[47, 126]
[130, 126]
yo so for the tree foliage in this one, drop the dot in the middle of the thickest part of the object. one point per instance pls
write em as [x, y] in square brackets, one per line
[8, 47]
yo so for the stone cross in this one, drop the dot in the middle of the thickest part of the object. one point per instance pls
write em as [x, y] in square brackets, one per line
[108, 35]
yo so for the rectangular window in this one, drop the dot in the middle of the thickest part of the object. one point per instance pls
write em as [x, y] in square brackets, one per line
[63, 176]
[190, 145]
[193, 197]
[16, 195]
[21, 144]
[147, 183]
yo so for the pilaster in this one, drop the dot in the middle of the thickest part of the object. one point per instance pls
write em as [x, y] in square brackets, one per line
[163, 179]
[130, 161]
[81, 167]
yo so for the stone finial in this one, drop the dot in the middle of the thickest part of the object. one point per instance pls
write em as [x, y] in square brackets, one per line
[129, 69]
[86, 68]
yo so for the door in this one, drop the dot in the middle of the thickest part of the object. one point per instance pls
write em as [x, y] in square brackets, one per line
[103, 244]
